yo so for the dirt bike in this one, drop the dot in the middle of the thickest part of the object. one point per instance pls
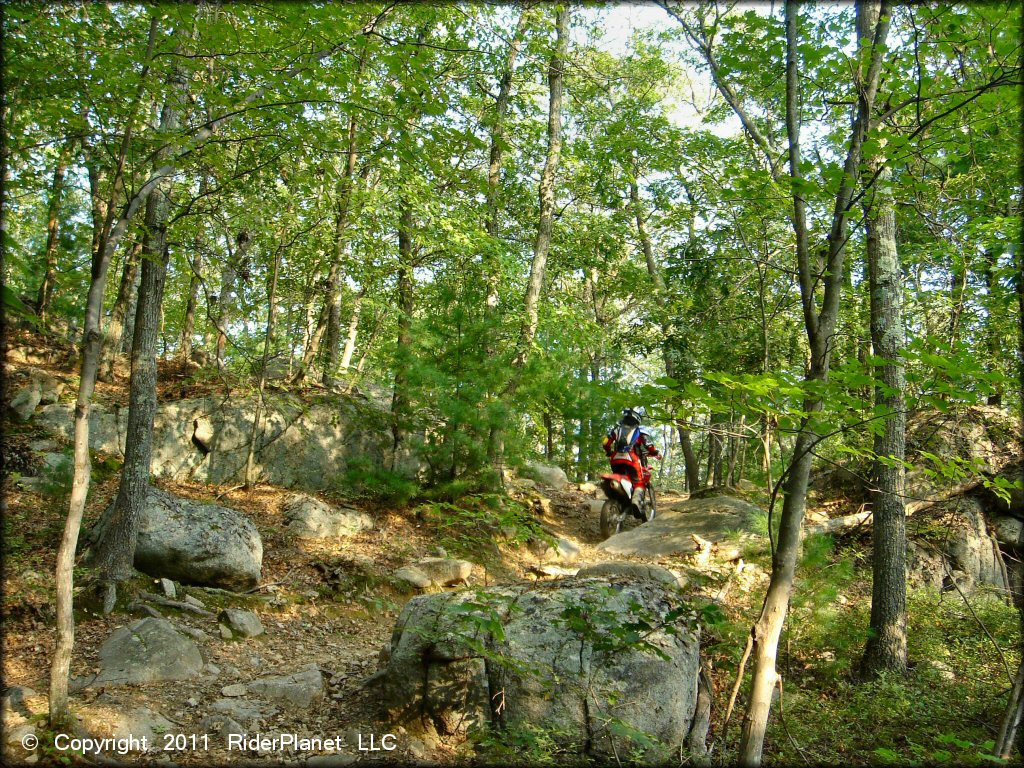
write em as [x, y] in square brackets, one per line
[629, 491]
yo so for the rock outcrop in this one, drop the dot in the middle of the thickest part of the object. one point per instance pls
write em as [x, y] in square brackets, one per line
[560, 656]
[672, 532]
[206, 439]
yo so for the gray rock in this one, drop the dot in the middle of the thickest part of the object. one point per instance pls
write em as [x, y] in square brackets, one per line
[196, 543]
[147, 651]
[670, 533]
[12, 749]
[544, 473]
[221, 724]
[556, 664]
[24, 403]
[169, 589]
[236, 689]
[241, 710]
[631, 571]
[240, 623]
[203, 434]
[297, 442]
[50, 387]
[1008, 530]
[435, 572]
[311, 518]
[330, 761]
[564, 551]
[102, 721]
[300, 690]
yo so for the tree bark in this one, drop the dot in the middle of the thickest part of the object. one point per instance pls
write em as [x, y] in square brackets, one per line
[188, 327]
[52, 230]
[820, 327]
[353, 330]
[887, 642]
[403, 342]
[114, 553]
[546, 191]
[691, 465]
[105, 241]
[250, 458]
[492, 265]
[123, 312]
[334, 280]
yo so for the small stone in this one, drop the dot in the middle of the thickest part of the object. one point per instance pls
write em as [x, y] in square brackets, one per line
[211, 669]
[417, 749]
[194, 601]
[237, 689]
[169, 589]
[225, 633]
[192, 702]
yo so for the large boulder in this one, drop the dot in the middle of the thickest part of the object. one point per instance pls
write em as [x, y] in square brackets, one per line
[196, 543]
[436, 572]
[712, 519]
[311, 518]
[586, 658]
[547, 474]
[149, 650]
[300, 445]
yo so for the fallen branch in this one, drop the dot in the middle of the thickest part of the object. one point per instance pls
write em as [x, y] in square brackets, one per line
[167, 603]
[860, 518]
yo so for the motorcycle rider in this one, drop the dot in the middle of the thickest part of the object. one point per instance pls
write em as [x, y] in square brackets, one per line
[627, 437]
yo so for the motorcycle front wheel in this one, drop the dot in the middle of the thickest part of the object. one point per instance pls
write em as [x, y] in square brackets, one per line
[613, 514]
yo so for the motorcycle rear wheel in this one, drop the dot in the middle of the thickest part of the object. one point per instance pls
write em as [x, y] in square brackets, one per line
[613, 515]
[652, 507]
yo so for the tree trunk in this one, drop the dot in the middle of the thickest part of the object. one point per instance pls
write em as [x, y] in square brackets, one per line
[353, 330]
[124, 309]
[403, 342]
[250, 458]
[887, 642]
[105, 242]
[691, 465]
[114, 552]
[820, 327]
[492, 267]
[52, 229]
[334, 280]
[237, 262]
[188, 327]
[545, 224]
[993, 322]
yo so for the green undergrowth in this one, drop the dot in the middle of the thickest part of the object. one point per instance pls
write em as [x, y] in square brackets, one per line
[472, 527]
[945, 710]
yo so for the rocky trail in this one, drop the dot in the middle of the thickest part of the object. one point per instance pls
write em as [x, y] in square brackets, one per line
[327, 605]
[301, 651]
[324, 608]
